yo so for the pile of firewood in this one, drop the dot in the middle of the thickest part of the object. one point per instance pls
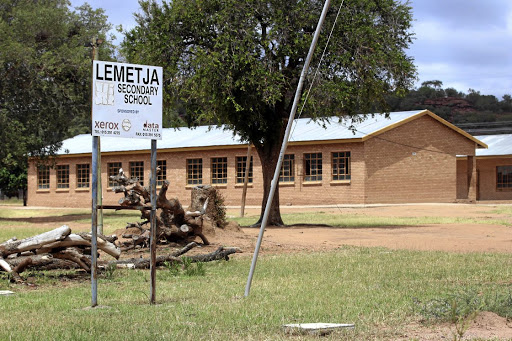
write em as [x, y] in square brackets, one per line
[61, 249]
[55, 249]
[174, 224]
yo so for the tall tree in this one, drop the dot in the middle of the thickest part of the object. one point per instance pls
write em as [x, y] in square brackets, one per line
[238, 62]
[45, 67]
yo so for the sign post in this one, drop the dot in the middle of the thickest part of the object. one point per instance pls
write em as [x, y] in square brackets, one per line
[127, 102]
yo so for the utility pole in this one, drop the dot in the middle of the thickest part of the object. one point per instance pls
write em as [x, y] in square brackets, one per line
[275, 179]
[97, 219]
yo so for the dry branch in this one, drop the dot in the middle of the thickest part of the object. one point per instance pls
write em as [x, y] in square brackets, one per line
[35, 242]
[82, 239]
[143, 263]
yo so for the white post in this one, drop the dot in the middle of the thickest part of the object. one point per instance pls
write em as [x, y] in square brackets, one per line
[285, 144]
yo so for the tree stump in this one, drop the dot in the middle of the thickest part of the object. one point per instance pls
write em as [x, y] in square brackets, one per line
[215, 209]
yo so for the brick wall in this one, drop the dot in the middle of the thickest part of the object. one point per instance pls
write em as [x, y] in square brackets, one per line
[297, 192]
[414, 162]
[394, 167]
[462, 181]
[487, 178]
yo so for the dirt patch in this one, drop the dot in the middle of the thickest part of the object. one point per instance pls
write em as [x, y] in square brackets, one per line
[452, 237]
[440, 237]
[485, 326]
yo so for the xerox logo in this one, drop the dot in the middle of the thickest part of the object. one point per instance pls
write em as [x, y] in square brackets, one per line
[106, 125]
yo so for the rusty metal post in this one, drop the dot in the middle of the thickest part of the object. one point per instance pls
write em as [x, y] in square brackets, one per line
[152, 243]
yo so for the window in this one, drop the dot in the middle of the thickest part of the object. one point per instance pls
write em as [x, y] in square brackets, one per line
[504, 177]
[288, 169]
[313, 167]
[63, 176]
[162, 175]
[219, 170]
[341, 166]
[43, 177]
[82, 176]
[137, 171]
[194, 171]
[113, 170]
[240, 169]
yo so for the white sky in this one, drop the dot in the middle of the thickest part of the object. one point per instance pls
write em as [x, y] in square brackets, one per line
[464, 43]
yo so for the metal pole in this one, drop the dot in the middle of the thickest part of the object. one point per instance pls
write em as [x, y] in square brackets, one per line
[152, 243]
[246, 180]
[95, 187]
[285, 144]
[94, 231]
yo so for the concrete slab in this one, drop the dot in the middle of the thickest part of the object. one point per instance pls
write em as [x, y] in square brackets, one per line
[315, 328]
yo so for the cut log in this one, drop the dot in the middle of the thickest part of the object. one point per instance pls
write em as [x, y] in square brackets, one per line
[83, 239]
[35, 242]
[185, 249]
[42, 262]
[4, 265]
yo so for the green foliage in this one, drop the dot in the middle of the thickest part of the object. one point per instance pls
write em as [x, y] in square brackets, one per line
[186, 268]
[44, 79]
[173, 268]
[238, 62]
[109, 271]
[464, 303]
[450, 307]
[193, 269]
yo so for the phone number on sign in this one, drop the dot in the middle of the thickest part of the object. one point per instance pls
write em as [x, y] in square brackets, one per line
[148, 134]
[106, 132]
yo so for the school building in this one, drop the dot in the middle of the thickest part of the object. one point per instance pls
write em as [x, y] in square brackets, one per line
[407, 157]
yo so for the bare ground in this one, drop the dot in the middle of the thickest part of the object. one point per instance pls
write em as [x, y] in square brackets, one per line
[442, 237]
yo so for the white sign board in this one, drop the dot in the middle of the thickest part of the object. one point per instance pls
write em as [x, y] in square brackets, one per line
[127, 100]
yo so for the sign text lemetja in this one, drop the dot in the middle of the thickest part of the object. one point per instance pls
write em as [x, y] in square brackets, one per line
[127, 100]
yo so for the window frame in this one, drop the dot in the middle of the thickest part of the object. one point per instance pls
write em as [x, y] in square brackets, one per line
[43, 177]
[137, 171]
[287, 172]
[312, 164]
[504, 181]
[112, 170]
[194, 171]
[240, 170]
[338, 159]
[219, 170]
[161, 177]
[62, 173]
[81, 169]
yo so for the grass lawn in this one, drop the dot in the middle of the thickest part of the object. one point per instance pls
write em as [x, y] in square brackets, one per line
[378, 289]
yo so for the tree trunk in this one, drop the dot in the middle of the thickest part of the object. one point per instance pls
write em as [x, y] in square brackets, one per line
[269, 155]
